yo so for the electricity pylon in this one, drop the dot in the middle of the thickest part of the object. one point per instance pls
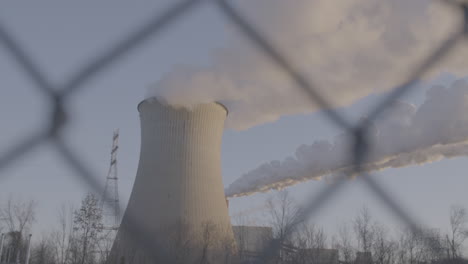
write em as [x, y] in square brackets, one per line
[110, 198]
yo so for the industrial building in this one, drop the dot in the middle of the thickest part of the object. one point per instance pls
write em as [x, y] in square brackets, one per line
[252, 241]
[318, 256]
[177, 210]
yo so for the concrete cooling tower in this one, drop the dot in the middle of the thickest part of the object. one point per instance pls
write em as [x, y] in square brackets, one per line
[177, 210]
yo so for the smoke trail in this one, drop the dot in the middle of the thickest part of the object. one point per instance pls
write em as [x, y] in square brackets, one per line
[348, 48]
[405, 136]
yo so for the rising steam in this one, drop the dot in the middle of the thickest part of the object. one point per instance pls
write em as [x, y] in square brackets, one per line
[349, 49]
[404, 136]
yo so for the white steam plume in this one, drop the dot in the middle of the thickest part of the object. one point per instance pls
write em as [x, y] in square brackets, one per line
[348, 48]
[404, 136]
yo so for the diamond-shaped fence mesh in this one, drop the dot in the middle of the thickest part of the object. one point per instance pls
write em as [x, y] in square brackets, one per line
[58, 118]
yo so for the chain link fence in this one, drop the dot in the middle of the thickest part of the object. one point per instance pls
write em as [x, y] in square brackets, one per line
[59, 94]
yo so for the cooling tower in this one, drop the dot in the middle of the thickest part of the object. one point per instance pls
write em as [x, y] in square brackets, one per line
[177, 207]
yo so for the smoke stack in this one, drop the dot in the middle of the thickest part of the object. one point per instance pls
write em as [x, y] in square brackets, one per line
[178, 192]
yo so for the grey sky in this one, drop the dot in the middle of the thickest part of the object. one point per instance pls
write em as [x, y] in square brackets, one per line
[61, 36]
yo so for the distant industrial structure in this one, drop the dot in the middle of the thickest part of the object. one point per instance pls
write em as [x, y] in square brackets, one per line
[14, 248]
[110, 198]
[178, 197]
[252, 241]
[109, 203]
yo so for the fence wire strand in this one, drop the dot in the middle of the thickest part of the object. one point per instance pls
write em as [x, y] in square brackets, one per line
[58, 118]
[266, 46]
[25, 61]
[134, 40]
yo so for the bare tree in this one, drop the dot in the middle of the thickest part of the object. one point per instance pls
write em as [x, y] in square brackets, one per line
[384, 249]
[310, 241]
[240, 234]
[458, 231]
[310, 236]
[180, 243]
[283, 212]
[43, 252]
[62, 236]
[363, 229]
[424, 245]
[18, 216]
[409, 247]
[432, 244]
[206, 243]
[87, 225]
[344, 244]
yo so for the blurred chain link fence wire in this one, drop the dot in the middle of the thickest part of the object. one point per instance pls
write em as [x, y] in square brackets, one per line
[59, 93]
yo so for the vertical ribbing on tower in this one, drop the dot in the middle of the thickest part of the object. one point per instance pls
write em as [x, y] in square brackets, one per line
[177, 211]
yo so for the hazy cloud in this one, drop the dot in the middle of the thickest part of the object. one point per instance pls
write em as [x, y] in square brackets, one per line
[405, 136]
[348, 48]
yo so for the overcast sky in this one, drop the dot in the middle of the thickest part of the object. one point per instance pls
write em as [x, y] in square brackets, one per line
[61, 36]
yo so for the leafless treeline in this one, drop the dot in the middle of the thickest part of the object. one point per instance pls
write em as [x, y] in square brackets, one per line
[78, 237]
[363, 239]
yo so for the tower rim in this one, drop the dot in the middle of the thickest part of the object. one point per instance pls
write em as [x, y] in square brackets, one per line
[155, 98]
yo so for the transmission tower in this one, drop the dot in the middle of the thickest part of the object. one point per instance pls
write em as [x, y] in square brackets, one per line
[110, 199]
